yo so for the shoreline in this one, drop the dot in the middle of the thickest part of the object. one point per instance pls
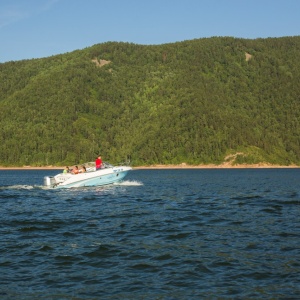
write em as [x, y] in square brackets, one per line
[179, 166]
[221, 166]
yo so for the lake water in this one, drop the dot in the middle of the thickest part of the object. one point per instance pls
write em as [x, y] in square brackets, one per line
[161, 234]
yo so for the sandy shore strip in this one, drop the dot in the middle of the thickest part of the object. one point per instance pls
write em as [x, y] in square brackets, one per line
[32, 168]
[179, 166]
[221, 166]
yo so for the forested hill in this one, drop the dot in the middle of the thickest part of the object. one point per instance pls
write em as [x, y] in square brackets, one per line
[193, 102]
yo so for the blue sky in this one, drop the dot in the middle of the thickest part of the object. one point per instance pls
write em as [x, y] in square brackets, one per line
[41, 28]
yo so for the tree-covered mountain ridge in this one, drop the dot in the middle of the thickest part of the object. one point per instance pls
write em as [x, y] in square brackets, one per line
[202, 101]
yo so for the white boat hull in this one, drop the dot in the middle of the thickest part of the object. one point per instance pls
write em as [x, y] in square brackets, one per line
[92, 178]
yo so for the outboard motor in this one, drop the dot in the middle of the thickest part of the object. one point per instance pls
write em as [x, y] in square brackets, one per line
[49, 181]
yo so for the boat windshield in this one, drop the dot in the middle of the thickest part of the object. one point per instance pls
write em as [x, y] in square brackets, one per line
[93, 165]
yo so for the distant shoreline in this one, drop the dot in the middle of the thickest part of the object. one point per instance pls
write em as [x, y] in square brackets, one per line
[31, 168]
[217, 167]
[221, 166]
[179, 166]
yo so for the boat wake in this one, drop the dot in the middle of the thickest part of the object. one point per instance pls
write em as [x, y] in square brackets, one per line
[129, 183]
[41, 187]
[18, 187]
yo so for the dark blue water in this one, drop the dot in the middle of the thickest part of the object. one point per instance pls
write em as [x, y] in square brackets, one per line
[161, 234]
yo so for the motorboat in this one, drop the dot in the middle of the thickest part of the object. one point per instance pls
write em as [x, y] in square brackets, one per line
[88, 175]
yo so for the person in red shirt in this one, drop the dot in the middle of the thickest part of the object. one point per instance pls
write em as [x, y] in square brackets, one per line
[98, 163]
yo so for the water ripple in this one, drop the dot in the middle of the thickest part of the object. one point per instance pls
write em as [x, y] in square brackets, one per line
[161, 234]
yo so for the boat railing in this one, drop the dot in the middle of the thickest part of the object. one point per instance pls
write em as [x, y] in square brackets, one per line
[124, 163]
[91, 167]
[106, 165]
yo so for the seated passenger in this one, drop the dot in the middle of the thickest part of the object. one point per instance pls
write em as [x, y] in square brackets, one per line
[75, 170]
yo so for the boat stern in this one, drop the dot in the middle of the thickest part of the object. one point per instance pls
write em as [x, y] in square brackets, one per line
[49, 181]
